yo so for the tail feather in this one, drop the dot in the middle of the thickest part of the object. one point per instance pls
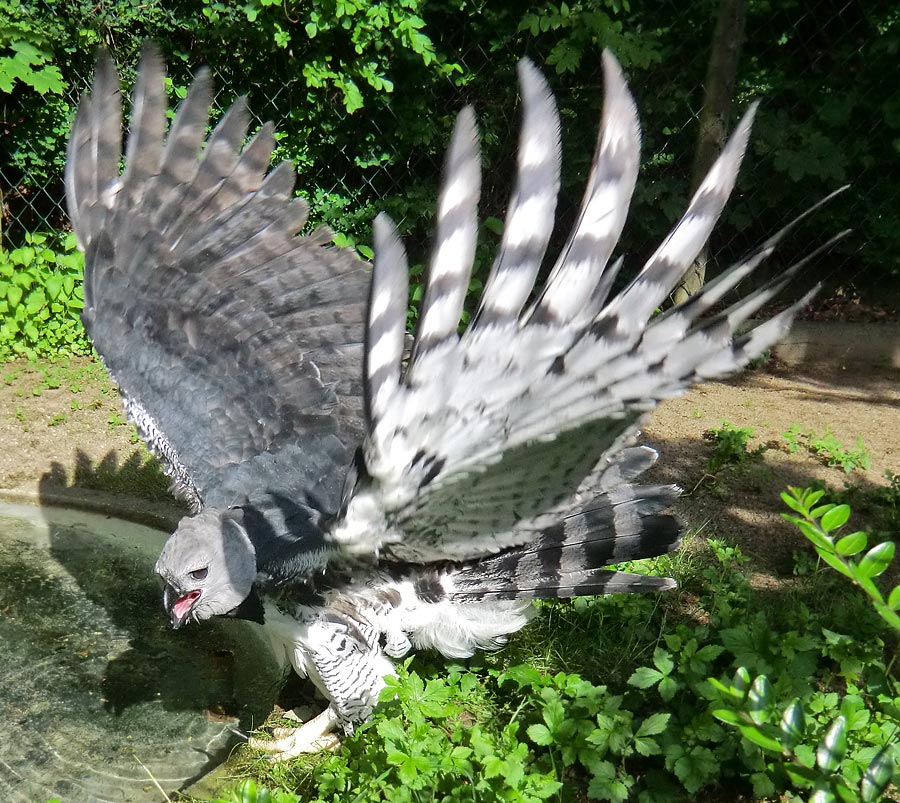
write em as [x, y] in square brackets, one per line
[568, 559]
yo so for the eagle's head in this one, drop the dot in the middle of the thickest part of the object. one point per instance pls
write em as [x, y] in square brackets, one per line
[207, 568]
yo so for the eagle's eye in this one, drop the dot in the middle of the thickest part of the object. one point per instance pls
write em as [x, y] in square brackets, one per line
[200, 574]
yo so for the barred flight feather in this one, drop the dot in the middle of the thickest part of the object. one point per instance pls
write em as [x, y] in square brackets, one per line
[481, 446]
[532, 207]
[577, 283]
[190, 254]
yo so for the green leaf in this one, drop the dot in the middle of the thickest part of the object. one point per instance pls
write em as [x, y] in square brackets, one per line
[647, 747]
[758, 698]
[667, 688]
[644, 677]
[710, 652]
[822, 794]
[835, 562]
[728, 716]
[877, 559]
[878, 775]
[791, 502]
[741, 680]
[812, 533]
[831, 750]
[758, 737]
[604, 775]
[762, 786]
[663, 661]
[47, 79]
[811, 498]
[540, 734]
[391, 730]
[821, 510]
[793, 724]
[888, 615]
[851, 544]
[554, 714]
[894, 599]
[523, 674]
[35, 301]
[836, 517]
[13, 296]
[653, 725]
[805, 754]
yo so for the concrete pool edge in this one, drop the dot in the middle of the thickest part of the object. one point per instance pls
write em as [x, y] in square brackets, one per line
[163, 516]
[207, 785]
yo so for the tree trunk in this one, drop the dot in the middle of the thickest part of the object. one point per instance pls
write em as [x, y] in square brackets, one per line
[718, 92]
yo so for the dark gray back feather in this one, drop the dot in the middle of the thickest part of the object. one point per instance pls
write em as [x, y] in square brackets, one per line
[229, 334]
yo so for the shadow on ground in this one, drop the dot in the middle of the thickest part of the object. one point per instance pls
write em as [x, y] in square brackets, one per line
[742, 501]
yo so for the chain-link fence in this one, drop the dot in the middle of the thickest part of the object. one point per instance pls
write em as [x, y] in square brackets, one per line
[831, 115]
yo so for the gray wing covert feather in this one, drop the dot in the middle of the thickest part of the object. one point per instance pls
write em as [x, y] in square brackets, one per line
[228, 334]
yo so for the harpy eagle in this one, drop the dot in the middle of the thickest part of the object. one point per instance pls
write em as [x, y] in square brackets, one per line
[357, 499]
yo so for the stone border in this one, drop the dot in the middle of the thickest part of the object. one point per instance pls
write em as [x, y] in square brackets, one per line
[841, 344]
[158, 515]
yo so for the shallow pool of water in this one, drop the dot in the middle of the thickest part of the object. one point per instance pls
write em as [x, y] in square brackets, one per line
[99, 699]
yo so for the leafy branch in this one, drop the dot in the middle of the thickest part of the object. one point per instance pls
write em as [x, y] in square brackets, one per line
[820, 525]
[809, 758]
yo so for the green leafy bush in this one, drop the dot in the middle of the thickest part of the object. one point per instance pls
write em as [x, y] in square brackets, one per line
[838, 747]
[41, 298]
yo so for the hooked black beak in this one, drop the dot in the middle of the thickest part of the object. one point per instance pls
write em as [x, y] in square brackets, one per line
[178, 606]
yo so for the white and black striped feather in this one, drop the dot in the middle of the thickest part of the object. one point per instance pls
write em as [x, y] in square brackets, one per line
[494, 436]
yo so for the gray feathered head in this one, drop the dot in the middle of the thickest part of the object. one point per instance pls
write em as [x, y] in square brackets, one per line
[208, 566]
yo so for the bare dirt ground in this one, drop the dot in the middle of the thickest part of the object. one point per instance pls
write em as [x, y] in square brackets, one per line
[62, 433]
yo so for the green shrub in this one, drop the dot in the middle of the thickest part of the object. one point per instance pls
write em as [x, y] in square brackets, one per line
[839, 747]
[41, 298]
[730, 446]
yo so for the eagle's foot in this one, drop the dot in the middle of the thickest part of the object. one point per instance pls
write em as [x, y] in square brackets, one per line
[310, 737]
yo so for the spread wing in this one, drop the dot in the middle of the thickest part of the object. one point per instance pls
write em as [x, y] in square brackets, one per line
[228, 334]
[490, 437]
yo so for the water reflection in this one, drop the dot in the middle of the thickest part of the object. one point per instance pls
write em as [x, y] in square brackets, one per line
[97, 694]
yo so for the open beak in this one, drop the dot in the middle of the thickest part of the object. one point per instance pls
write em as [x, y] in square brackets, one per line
[179, 606]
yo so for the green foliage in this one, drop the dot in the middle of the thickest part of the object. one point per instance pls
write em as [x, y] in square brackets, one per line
[249, 792]
[584, 727]
[730, 446]
[41, 299]
[828, 448]
[820, 525]
[841, 748]
[28, 65]
[364, 96]
[850, 757]
[432, 739]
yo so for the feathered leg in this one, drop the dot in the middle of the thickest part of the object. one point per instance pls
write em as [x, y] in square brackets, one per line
[343, 659]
